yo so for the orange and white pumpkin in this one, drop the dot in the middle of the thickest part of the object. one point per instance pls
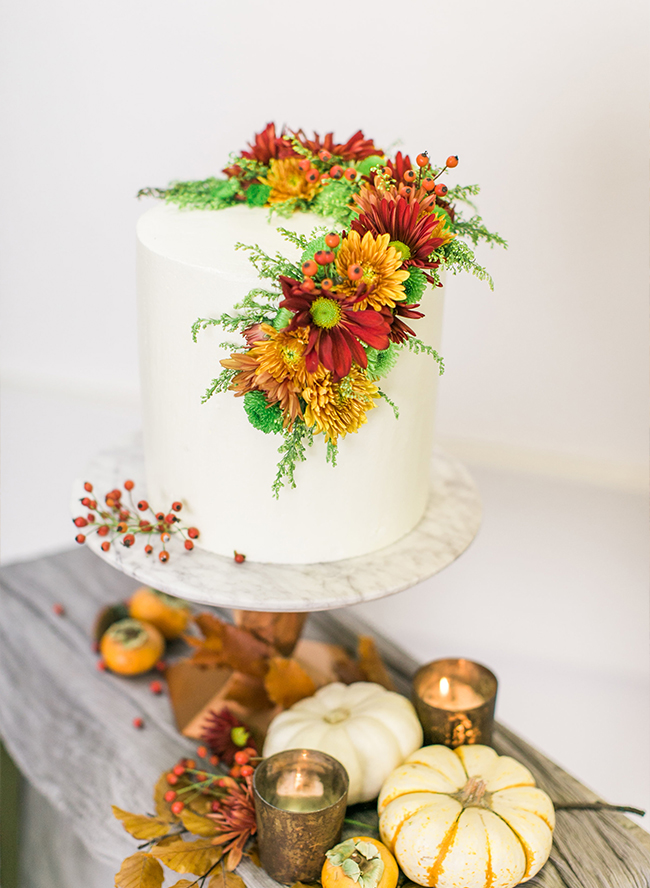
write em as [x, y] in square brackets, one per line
[465, 818]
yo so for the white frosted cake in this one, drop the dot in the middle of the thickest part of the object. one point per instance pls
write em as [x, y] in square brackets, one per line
[209, 456]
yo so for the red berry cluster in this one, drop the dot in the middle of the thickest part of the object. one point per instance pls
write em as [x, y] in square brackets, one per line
[325, 168]
[424, 177]
[186, 780]
[115, 519]
[322, 258]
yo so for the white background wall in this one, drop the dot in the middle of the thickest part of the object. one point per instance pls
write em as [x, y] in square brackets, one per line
[546, 386]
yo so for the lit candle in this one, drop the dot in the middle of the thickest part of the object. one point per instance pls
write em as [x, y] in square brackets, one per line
[452, 694]
[454, 700]
[300, 799]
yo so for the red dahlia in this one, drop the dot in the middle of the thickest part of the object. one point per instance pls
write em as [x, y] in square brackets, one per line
[335, 328]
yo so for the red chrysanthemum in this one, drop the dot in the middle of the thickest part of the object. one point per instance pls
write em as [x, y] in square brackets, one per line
[335, 328]
[266, 145]
[226, 735]
[399, 166]
[399, 331]
[356, 148]
[414, 235]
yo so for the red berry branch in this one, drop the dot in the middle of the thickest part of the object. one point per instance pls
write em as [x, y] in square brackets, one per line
[115, 520]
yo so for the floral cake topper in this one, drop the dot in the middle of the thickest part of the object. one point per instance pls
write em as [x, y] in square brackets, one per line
[319, 338]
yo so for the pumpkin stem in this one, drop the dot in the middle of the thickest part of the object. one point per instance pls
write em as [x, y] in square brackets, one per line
[473, 793]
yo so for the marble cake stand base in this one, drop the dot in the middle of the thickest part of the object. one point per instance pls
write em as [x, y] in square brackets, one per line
[449, 525]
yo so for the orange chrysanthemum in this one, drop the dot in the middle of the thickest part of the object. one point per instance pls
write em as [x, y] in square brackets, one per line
[337, 408]
[288, 182]
[380, 264]
[276, 366]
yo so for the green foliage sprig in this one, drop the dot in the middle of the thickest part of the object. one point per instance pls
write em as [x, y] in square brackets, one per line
[221, 383]
[270, 267]
[457, 256]
[251, 312]
[293, 451]
[474, 229]
[332, 453]
[418, 347]
[208, 194]
[389, 401]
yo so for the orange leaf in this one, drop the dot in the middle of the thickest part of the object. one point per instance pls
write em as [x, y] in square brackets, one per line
[140, 871]
[226, 645]
[287, 682]
[371, 663]
[188, 857]
[254, 855]
[185, 883]
[140, 826]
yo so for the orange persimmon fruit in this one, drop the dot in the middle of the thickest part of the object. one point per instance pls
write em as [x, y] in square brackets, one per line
[130, 647]
[169, 615]
[332, 875]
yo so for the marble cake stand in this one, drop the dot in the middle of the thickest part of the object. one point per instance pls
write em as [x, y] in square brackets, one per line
[449, 525]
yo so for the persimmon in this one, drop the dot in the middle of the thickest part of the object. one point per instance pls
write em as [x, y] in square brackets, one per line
[169, 615]
[130, 647]
[373, 861]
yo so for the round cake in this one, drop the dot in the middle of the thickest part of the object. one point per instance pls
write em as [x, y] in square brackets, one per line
[211, 458]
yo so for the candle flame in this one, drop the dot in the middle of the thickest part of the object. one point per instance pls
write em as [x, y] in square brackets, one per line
[444, 686]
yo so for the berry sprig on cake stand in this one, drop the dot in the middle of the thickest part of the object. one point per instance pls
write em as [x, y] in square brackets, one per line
[115, 521]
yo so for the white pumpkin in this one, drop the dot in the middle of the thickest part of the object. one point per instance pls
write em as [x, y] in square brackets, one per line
[368, 729]
[466, 818]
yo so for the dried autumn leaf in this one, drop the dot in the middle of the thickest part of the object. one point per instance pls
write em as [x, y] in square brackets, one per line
[306, 885]
[197, 825]
[188, 857]
[287, 682]
[140, 871]
[253, 855]
[140, 826]
[225, 879]
[185, 883]
[163, 808]
[371, 663]
[226, 645]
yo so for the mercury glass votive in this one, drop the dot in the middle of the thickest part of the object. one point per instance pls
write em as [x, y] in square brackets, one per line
[454, 700]
[300, 800]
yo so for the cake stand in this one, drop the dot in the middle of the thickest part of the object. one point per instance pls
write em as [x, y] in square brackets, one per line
[449, 524]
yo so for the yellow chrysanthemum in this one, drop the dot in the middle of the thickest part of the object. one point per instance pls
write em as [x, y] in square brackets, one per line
[380, 264]
[336, 408]
[275, 366]
[288, 182]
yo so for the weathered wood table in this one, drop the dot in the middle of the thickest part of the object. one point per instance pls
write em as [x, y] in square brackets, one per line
[69, 728]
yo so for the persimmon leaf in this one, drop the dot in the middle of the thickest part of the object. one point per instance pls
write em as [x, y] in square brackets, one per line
[140, 826]
[198, 825]
[140, 871]
[188, 857]
[287, 682]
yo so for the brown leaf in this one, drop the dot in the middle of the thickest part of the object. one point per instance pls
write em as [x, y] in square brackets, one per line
[188, 857]
[306, 885]
[371, 663]
[140, 826]
[226, 645]
[140, 871]
[198, 825]
[185, 883]
[224, 879]
[287, 682]
[254, 855]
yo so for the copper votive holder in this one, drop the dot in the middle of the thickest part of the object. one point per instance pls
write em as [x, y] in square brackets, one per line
[300, 800]
[454, 700]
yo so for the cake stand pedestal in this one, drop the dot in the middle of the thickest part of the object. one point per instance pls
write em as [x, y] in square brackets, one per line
[449, 524]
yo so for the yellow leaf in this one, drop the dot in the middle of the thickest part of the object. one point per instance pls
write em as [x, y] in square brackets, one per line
[141, 826]
[140, 871]
[188, 857]
[224, 879]
[199, 826]
[185, 883]
[371, 664]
